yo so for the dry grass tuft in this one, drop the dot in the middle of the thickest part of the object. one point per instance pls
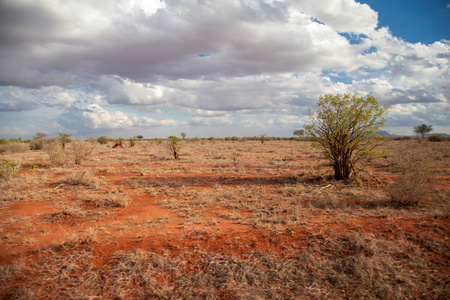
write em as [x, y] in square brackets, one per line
[83, 178]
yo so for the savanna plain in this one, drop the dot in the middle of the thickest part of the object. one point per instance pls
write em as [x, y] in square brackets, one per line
[226, 220]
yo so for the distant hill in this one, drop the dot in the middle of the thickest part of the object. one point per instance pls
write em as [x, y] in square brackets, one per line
[385, 133]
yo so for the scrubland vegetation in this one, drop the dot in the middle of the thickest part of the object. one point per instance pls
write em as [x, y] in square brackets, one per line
[223, 219]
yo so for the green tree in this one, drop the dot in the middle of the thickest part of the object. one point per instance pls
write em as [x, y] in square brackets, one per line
[64, 139]
[174, 144]
[300, 133]
[345, 127]
[422, 130]
[263, 138]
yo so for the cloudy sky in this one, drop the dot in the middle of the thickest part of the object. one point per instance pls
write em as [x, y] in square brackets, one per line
[156, 68]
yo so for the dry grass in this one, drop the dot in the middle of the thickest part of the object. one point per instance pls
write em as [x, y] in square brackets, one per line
[225, 221]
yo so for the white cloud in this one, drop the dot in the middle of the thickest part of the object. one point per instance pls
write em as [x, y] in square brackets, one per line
[212, 60]
[10, 132]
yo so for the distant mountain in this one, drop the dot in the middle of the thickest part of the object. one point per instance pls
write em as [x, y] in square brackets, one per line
[384, 133]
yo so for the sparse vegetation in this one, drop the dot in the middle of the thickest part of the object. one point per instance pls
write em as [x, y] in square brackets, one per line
[127, 224]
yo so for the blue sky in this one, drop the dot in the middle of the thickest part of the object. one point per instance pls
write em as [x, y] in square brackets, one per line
[416, 21]
[155, 68]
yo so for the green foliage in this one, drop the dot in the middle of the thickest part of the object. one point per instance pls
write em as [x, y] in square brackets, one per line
[33, 166]
[437, 138]
[9, 169]
[345, 127]
[132, 142]
[263, 138]
[174, 144]
[422, 130]
[64, 139]
[300, 133]
[102, 140]
[139, 137]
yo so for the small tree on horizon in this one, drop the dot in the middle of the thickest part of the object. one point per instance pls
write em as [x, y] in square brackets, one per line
[183, 135]
[300, 133]
[345, 126]
[422, 130]
[174, 145]
[64, 139]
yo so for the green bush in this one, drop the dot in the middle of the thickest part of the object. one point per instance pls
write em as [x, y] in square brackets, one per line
[174, 145]
[33, 166]
[36, 145]
[9, 169]
[437, 138]
[103, 140]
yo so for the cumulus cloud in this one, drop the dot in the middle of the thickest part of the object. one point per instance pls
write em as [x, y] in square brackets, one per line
[94, 118]
[214, 60]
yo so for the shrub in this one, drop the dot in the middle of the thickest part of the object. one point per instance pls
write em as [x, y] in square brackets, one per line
[437, 138]
[36, 145]
[174, 145]
[132, 141]
[103, 140]
[345, 127]
[81, 150]
[15, 147]
[33, 166]
[9, 169]
[58, 157]
[83, 178]
[412, 165]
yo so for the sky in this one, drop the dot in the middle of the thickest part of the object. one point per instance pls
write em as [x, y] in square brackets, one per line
[121, 68]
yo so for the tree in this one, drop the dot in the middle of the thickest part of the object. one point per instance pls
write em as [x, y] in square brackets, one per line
[345, 127]
[41, 136]
[422, 130]
[263, 137]
[300, 133]
[183, 135]
[174, 145]
[38, 141]
[64, 139]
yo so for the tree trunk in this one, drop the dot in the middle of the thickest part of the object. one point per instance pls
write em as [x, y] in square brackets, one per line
[342, 170]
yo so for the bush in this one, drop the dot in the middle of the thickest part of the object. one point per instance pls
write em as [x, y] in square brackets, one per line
[174, 145]
[412, 165]
[15, 147]
[36, 145]
[80, 150]
[437, 138]
[9, 169]
[58, 157]
[103, 140]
